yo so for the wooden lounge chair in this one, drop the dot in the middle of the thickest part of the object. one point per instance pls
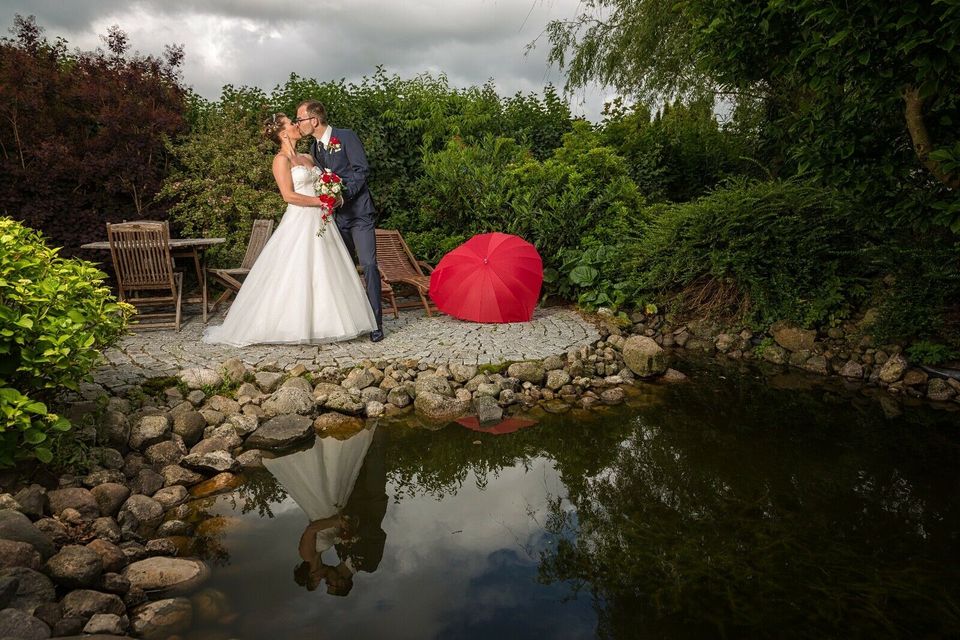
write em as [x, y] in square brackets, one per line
[231, 278]
[143, 264]
[398, 266]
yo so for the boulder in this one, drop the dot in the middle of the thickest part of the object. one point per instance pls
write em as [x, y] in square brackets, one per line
[161, 574]
[200, 377]
[335, 397]
[83, 603]
[358, 378]
[439, 408]
[33, 588]
[532, 372]
[32, 500]
[175, 474]
[210, 462]
[644, 357]
[111, 556]
[75, 567]
[14, 553]
[140, 516]
[110, 496]
[398, 397]
[268, 380]
[939, 391]
[106, 623]
[219, 483]
[189, 425]
[287, 400]
[893, 369]
[556, 378]
[793, 338]
[75, 498]
[16, 526]
[487, 409]
[433, 384]
[852, 370]
[149, 430]
[281, 432]
[233, 370]
[162, 619]
[23, 626]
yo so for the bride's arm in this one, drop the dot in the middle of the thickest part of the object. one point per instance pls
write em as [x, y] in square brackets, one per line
[281, 173]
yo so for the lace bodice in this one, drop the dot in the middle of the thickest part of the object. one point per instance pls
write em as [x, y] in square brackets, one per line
[304, 178]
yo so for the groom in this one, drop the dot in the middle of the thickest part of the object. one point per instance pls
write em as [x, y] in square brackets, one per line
[340, 151]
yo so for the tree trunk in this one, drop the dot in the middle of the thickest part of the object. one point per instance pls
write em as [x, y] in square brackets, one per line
[913, 112]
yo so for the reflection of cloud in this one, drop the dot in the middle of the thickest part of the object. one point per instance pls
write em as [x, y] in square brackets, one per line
[464, 562]
[260, 42]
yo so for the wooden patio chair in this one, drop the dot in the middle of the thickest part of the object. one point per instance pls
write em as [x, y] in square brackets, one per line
[231, 278]
[398, 266]
[144, 264]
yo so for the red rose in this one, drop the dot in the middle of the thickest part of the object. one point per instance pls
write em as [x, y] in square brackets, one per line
[334, 140]
[326, 178]
[328, 201]
[335, 177]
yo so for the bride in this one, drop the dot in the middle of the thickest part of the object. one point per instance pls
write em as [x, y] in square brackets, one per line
[302, 288]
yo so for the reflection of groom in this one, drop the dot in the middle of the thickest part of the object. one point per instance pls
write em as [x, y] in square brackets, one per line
[340, 151]
[365, 510]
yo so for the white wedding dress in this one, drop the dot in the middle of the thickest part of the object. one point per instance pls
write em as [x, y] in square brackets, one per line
[302, 288]
[321, 479]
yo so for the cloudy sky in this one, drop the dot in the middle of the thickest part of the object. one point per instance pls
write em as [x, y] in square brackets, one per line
[259, 42]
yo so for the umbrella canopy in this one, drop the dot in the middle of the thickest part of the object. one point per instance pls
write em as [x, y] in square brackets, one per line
[492, 277]
[507, 425]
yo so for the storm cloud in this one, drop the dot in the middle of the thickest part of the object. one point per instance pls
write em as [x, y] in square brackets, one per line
[260, 42]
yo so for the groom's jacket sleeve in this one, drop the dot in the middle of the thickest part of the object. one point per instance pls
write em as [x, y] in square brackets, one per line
[355, 177]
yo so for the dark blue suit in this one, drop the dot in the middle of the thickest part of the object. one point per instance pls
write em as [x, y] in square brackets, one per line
[356, 218]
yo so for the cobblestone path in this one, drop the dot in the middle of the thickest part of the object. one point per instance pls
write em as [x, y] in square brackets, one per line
[436, 340]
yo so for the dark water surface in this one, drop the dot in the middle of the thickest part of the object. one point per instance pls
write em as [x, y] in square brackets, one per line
[719, 508]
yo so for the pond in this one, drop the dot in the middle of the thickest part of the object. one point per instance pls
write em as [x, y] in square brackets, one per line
[730, 506]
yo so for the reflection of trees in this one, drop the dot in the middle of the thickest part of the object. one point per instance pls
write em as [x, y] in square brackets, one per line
[749, 512]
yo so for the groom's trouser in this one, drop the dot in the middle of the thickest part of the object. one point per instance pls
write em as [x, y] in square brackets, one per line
[361, 240]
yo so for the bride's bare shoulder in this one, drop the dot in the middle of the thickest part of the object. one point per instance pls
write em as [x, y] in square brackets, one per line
[307, 159]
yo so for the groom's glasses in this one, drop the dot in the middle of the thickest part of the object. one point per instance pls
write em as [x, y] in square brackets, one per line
[299, 120]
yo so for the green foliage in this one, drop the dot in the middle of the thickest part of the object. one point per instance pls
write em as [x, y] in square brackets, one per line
[55, 315]
[680, 152]
[931, 353]
[782, 245]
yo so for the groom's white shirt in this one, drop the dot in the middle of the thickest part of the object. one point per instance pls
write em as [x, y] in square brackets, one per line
[325, 138]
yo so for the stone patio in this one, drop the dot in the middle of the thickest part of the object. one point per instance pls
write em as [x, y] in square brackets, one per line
[435, 340]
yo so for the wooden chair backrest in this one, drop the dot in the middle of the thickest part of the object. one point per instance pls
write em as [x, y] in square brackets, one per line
[141, 255]
[259, 235]
[394, 257]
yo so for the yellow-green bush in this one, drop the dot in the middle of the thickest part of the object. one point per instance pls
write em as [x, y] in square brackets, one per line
[55, 315]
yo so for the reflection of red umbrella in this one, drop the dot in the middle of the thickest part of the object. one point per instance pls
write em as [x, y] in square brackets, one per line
[492, 277]
[508, 425]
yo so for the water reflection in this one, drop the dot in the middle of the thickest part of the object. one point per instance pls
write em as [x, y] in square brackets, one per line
[340, 484]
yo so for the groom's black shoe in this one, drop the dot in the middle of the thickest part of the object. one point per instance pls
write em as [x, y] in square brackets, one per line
[376, 335]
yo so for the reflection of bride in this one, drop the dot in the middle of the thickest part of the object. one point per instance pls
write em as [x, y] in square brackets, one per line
[320, 480]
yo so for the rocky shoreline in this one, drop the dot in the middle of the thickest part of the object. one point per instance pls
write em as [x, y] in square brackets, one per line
[104, 552]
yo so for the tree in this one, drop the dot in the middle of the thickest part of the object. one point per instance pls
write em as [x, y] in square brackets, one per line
[82, 133]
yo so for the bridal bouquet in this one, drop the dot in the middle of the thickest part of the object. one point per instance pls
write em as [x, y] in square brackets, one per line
[329, 188]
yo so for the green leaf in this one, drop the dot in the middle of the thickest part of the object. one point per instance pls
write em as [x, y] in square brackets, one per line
[34, 436]
[584, 276]
[43, 454]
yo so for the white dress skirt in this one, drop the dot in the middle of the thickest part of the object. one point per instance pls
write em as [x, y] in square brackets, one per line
[302, 289]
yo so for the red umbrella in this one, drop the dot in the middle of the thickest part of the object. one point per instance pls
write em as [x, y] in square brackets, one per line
[508, 425]
[492, 277]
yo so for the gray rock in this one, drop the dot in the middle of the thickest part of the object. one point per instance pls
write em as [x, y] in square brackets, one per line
[162, 618]
[487, 409]
[398, 397]
[358, 378]
[196, 397]
[281, 432]
[17, 624]
[149, 430]
[75, 567]
[161, 574]
[169, 497]
[375, 409]
[76, 498]
[175, 528]
[337, 398]
[852, 369]
[55, 531]
[533, 372]
[774, 353]
[100, 476]
[33, 588]
[252, 459]
[106, 528]
[462, 372]
[817, 364]
[613, 396]
[115, 427]
[224, 405]
[893, 369]
[110, 496]
[175, 474]
[161, 547]
[147, 482]
[243, 425]
[233, 370]
[939, 391]
[32, 500]
[488, 389]
[189, 425]
[111, 556]
[793, 338]
[433, 384]
[373, 394]
[199, 377]
[288, 400]
[108, 623]
[8, 591]
[16, 526]
[164, 453]
[140, 516]
[439, 408]
[84, 603]
[644, 356]
[557, 362]
[210, 462]
[268, 381]
[14, 553]
[725, 342]
[556, 378]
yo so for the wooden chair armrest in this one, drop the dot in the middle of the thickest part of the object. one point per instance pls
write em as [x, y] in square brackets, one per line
[425, 265]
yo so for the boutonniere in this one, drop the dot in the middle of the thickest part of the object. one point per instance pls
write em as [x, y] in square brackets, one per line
[334, 145]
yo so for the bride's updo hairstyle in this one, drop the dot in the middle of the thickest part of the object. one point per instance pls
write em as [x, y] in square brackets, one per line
[272, 127]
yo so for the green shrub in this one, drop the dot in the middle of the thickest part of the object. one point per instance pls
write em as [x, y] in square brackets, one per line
[782, 250]
[930, 353]
[55, 314]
